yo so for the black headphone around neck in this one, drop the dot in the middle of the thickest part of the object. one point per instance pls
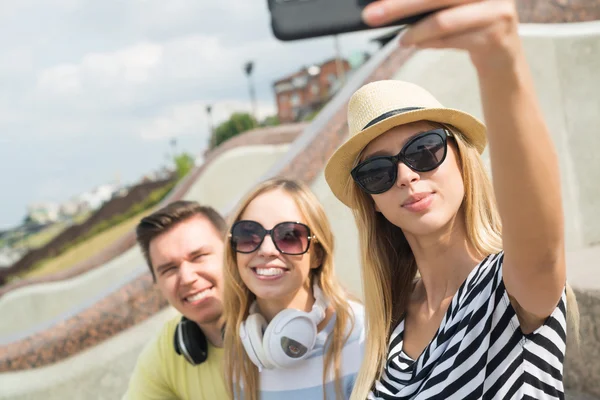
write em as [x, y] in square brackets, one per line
[190, 341]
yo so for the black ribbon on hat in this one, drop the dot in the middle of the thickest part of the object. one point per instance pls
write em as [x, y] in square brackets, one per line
[391, 114]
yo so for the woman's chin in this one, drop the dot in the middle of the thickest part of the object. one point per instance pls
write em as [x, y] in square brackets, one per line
[426, 226]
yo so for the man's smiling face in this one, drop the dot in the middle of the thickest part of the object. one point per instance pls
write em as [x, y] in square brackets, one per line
[188, 264]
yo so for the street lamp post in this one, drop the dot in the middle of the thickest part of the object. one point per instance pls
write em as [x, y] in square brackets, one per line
[248, 67]
[341, 73]
[173, 143]
[211, 134]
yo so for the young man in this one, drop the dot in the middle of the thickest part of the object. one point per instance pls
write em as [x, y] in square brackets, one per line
[183, 246]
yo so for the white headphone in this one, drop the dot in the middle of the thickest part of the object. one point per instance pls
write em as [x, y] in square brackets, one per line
[288, 338]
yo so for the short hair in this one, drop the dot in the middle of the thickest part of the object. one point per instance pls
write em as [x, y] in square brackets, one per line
[168, 217]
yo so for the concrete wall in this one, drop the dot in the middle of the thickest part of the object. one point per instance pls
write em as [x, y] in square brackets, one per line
[234, 173]
[347, 251]
[100, 373]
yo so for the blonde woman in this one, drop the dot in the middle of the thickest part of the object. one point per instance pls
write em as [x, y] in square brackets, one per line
[465, 289]
[291, 331]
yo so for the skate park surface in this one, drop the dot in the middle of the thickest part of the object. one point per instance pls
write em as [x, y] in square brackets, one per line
[565, 63]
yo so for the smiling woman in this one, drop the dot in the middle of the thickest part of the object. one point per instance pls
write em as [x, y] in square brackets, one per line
[291, 330]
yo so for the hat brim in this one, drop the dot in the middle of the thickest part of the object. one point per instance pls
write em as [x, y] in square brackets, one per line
[337, 170]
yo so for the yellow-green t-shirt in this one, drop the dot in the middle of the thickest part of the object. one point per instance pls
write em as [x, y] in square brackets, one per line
[160, 373]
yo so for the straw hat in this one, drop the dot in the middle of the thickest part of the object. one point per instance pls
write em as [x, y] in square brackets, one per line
[379, 106]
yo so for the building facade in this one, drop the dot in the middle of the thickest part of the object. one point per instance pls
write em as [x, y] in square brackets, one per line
[300, 94]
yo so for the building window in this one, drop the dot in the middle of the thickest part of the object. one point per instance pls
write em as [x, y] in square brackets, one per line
[295, 99]
[314, 89]
[300, 81]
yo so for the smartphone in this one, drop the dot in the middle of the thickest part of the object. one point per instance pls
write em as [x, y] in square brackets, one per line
[303, 19]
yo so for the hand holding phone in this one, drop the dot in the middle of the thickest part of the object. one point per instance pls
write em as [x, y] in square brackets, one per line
[302, 19]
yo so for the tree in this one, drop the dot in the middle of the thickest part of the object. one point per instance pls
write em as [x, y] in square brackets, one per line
[236, 124]
[184, 162]
[313, 113]
[272, 120]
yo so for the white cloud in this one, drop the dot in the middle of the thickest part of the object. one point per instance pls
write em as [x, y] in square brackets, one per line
[177, 120]
[94, 86]
[51, 189]
[192, 56]
[10, 9]
[133, 65]
[64, 79]
[105, 71]
[191, 118]
[16, 61]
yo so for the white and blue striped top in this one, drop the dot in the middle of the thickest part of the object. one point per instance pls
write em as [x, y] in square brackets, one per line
[305, 380]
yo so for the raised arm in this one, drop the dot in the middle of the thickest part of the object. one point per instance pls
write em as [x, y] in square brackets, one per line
[524, 162]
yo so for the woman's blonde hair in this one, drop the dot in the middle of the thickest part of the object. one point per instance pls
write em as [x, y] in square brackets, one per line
[241, 374]
[388, 261]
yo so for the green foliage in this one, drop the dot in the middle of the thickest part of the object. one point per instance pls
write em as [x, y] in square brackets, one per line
[184, 162]
[272, 120]
[153, 199]
[313, 114]
[236, 124]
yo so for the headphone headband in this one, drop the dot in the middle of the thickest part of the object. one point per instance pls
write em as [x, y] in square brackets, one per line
[317, 313]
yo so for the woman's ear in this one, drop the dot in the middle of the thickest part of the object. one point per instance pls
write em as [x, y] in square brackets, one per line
[317, 256]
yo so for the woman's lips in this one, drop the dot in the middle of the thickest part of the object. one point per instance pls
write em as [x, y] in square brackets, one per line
[418, 202]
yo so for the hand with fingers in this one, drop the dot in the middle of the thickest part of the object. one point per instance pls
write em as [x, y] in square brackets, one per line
[487, 29]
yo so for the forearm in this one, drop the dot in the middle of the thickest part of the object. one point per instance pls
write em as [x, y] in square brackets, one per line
[524, 163]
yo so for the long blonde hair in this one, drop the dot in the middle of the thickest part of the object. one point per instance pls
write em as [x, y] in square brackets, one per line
[240, 373]
[388, 261]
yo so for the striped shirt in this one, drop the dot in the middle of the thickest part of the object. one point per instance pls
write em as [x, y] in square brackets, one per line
[305, 380]
[479, 351]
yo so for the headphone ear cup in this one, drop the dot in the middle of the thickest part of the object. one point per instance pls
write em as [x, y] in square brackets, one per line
[251, 333]
[290, 337]
[191, 342]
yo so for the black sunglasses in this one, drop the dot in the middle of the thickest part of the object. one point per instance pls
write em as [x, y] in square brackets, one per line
[291, 238]
[422, 153]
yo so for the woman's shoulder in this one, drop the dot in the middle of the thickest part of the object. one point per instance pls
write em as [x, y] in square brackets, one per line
[490, 267]
[356, 305]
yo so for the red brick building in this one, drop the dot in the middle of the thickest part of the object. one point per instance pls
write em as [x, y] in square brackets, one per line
[305, 91]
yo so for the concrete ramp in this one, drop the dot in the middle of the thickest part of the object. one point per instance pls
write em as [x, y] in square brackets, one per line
[37, 307]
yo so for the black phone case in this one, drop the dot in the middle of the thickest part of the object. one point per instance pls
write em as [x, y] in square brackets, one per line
[302, 19]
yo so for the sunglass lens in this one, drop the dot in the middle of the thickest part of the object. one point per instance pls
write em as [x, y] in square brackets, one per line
[291, 238]
[425, 153]
[246, 236]
[377, 175]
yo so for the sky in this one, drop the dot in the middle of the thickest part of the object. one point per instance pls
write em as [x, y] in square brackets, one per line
[94, 91]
